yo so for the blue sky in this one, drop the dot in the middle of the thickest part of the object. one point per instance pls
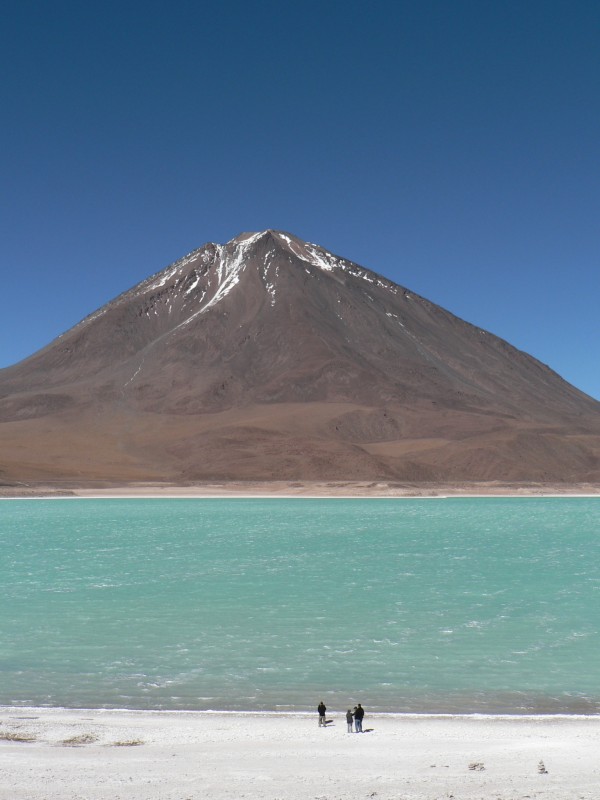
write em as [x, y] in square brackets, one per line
[451, 146]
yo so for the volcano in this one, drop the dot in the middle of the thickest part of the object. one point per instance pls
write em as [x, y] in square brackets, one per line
[271, 358]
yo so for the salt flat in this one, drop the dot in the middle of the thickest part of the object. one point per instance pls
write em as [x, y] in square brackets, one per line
[106, 755]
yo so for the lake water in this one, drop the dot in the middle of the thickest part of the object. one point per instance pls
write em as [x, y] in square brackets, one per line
[437, 605]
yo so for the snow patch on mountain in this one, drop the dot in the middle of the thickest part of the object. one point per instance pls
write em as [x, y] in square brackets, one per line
[318, 257]
[193, 284]
[269, 281]
[228, 272]
[162, 278]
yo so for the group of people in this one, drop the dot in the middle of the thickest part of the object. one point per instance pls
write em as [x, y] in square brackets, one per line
[355, 716]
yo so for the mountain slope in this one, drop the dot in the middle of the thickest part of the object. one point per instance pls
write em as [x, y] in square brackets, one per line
[270, 357]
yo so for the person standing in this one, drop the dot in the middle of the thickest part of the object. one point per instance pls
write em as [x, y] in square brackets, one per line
[321, 708]
[349, 718]
[359, 713]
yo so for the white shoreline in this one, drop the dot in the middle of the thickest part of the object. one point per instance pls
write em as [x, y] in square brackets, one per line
[413, 715]
[144, 496]
[91, 754]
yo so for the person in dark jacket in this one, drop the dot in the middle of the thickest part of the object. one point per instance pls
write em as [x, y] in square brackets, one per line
[321, 708]
[359, 713]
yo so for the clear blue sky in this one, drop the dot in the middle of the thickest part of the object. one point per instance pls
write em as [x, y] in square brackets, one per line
[453, 146]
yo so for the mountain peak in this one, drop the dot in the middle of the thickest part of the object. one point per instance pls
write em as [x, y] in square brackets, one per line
[312, 254]
[270, 356]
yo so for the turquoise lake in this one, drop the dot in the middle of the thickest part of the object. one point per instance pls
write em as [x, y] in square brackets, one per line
[425, 605]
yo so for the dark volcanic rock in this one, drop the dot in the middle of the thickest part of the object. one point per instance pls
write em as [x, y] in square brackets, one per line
[269, 357]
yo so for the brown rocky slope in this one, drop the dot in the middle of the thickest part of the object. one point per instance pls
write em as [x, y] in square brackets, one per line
[270, 358]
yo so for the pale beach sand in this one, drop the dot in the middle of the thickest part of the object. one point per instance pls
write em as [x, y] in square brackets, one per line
[331, 489]
[113, 755]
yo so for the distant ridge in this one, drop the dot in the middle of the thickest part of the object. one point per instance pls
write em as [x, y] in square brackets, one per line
[271, 358]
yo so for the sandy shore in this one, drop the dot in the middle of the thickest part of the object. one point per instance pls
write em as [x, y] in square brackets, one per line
[113, 755]
[299, 489]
